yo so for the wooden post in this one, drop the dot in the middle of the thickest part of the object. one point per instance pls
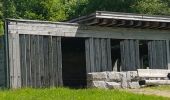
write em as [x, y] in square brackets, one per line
[14, 61]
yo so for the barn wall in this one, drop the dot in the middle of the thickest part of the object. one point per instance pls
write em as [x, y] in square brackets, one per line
[35, 61]
[2, 63]
[32, 47]
[129, 55]
[98, 55]
[157, 51]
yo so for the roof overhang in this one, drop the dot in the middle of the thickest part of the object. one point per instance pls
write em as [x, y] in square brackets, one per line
[109, 19]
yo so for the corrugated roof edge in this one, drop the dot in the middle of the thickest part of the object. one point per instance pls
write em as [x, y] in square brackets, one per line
[140, 17]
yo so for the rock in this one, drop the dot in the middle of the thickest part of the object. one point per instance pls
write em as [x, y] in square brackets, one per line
[134, 85]
[114, 76]
[124, 83]
[99, 84]
[132, 76]
[113, 85]
[97, 76]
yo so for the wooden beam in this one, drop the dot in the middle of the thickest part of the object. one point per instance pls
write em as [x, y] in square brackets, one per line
[121, 23]
[138, 24]
[88, 31]
[154, 82]
[93, 22]
[113, 22]
[162, 25]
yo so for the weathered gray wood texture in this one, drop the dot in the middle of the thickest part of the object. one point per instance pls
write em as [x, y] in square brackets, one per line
[157, 51]
[153, 73]
[98, 55]
[2, 63]
[129, 55]
[14, 61]
[41, 61]
[75, 30]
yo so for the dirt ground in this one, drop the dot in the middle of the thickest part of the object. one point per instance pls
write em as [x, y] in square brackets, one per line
[148, 91]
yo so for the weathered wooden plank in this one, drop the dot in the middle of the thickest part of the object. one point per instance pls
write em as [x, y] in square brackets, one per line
[28, 60]
[109, 59]
[55, 62]
[36, 59]
[11, 59]
[3, 66]
[23, 63]
[121, 54]
[33, 62]
[87, 49]
[96, 56]
[155, 82]
[50, 64]
[59, 55]
[46, 61]
[91, 42]
[17, 61]
[41, 61]
[136, 54]
[14, 57]
[153, 73]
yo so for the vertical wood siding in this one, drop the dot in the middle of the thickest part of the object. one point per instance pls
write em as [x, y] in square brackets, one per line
[98, 55]
[129, 55]
[2, 63]
[157, 51]
[40, 61]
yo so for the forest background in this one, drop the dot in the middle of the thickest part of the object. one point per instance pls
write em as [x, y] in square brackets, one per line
[61, 10]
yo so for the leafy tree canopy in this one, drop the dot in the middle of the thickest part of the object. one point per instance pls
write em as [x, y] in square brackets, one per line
[60, 10]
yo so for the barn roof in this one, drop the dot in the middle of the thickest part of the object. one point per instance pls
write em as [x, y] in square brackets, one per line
[116, 19]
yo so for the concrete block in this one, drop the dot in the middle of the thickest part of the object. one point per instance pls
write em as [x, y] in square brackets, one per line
[124, 83]
[97, 76]
[114, 76]
[132, 76]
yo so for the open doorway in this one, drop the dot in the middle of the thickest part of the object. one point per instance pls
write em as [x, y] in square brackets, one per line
[74, 63]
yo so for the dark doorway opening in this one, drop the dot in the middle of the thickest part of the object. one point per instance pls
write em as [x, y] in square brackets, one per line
[115, 54]
[143, 49]
[74, 62]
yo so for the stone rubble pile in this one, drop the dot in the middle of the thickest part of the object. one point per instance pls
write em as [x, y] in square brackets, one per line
[113, 80]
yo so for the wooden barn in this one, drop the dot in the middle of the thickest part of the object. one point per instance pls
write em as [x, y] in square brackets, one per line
[46, 54]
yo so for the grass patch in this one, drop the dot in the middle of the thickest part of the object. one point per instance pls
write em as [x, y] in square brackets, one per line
[72, 94]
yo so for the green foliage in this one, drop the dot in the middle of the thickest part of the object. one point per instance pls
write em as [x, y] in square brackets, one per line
[52, 10]
[152, 7]
[71, 94]
[59, 10]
